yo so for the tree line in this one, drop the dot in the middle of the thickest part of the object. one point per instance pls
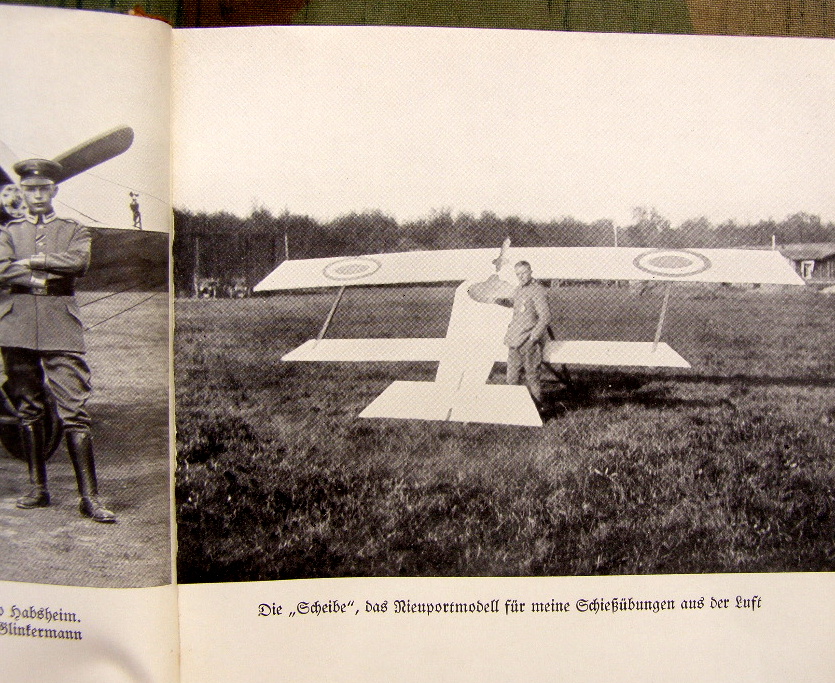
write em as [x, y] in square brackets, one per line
[232, 248]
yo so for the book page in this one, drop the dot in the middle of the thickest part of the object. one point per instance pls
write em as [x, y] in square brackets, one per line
[86, 574]
[384, 474]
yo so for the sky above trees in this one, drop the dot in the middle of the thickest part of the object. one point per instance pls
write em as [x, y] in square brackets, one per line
[333, 120]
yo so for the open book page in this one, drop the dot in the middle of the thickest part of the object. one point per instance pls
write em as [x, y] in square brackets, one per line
[86, 573]
[348, 455]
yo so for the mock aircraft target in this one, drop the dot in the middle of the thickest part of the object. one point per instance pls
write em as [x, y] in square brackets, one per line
[473, 342]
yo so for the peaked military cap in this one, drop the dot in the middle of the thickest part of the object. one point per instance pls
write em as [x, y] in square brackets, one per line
[37, 172]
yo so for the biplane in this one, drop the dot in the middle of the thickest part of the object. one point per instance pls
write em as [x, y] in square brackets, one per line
[473, 343]
[122, 260]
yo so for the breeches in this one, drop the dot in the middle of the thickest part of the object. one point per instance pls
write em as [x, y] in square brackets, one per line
[527, 357]
[63, 373]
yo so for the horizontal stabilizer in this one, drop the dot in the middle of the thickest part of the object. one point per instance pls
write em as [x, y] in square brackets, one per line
[629, 354]
[488, 403]
[358, 350]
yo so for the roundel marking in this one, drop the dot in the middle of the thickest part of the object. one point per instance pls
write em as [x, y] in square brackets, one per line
[351, 268]
[672, 262]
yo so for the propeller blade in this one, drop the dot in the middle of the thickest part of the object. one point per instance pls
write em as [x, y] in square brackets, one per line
[7, 161]
[95, 151]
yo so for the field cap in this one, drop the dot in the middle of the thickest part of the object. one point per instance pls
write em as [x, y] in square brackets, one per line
[34, 172]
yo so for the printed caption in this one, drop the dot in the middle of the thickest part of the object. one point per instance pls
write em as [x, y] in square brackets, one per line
[509, 607]
[38, 621]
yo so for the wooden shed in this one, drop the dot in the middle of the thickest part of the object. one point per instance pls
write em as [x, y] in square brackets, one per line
[813, 261]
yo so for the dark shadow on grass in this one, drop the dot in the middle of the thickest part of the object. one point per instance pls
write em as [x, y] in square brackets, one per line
[605, 388]
[624, 378]
[559, 400]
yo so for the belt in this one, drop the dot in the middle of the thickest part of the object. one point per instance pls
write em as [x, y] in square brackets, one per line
[61, 287]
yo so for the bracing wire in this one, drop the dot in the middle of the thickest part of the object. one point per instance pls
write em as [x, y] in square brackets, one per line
[96, 220]
[121, 291]
[144, 193]
[125, 310]
[106, 180]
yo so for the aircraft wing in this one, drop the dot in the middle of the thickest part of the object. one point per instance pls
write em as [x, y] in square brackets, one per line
[557, 263]
[571, 352]
[427, 349]
[452, 265]
[614, 353]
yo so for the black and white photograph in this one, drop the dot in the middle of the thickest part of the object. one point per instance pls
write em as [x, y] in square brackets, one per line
[482, 303]
[84, 306]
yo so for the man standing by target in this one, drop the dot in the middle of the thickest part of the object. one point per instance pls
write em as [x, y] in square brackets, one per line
[525, 336]
[41, 333]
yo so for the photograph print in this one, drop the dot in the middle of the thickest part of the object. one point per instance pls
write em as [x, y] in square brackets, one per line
[502, 303]
[85, 492]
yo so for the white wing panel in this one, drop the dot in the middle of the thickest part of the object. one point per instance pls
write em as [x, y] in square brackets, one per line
[736, 266]
[359, 350]
[572, 352]
[616, 353]
[381, 269]
[564, 263]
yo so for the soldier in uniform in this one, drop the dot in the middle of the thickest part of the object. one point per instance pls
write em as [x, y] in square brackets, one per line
[41, 333]
[525, 336]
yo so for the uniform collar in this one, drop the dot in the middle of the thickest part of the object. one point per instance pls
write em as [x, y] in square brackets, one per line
[41, 218]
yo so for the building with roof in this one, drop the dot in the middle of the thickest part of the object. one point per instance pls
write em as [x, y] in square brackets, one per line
[813, 261]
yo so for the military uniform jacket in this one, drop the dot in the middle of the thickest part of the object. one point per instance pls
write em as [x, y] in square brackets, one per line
[531, 315]
[59, 249]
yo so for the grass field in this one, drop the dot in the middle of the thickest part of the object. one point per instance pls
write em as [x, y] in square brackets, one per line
[726, 467]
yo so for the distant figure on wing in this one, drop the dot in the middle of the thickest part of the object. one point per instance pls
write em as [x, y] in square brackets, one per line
[41, 333]
[134, 208]
[525, 336]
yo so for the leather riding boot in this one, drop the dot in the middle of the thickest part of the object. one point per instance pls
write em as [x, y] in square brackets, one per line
[32, 442]
[80, 448]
